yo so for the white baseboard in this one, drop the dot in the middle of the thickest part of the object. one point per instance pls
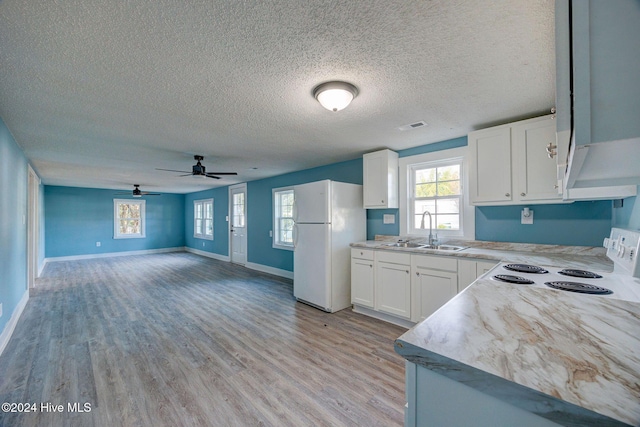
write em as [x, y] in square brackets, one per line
[112, 254]
[270, 270]
[5, 336]
[207, 254]
[383, 316]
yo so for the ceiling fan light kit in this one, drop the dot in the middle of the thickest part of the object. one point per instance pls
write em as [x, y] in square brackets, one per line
[335, 96]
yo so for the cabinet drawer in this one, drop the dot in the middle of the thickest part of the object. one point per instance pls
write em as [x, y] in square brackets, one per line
[435, 263]
[394, 257]
[362, 253]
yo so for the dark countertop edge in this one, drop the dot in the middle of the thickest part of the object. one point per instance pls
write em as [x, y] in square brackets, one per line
[536, 402]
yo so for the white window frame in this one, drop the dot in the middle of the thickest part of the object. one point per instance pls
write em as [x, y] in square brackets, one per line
[116, 219]
[435, 159]
[277, 243]
[203, 203]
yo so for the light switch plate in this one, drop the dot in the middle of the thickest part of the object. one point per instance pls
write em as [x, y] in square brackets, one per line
[388, 219]
[526, 219]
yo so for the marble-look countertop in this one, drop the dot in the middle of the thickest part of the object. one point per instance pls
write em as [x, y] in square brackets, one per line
[580, 257]
[571, 358]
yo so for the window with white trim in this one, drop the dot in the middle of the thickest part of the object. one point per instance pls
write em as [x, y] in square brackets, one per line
[129, 219]
[283, 218]
[203, 219]
[435, 182]
[436, 196]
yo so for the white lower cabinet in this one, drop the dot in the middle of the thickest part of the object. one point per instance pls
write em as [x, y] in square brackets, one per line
[393, 283]
[362, 277]
[404, 287]
[470, 269]
[434, 281]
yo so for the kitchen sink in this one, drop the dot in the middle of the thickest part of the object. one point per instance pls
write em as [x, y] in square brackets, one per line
[406, 245]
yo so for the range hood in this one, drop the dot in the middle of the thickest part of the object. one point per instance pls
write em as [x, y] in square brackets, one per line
[603, 170]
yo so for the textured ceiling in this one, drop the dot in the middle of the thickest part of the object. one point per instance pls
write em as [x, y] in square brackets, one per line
[100, 93]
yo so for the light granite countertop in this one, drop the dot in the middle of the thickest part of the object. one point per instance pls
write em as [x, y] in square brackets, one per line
[580, 257]
[570, 358]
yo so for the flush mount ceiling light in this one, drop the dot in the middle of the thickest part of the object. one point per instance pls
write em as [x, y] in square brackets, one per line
[334, 96]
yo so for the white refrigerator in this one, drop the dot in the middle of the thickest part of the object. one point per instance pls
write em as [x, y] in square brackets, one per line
[328, 216]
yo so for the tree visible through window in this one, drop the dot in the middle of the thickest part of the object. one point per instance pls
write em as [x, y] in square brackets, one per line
[129, 218]
[283, 218]
[437, 189]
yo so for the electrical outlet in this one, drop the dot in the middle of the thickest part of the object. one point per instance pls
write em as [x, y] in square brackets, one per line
[270, 233]
[526, 216]
[98, 244]
[0, 309]
[203, 244]
[388, 219]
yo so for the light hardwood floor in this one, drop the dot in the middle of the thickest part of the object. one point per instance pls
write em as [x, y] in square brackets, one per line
[181, 340]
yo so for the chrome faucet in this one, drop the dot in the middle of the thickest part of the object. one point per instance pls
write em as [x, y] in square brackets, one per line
[432, 241]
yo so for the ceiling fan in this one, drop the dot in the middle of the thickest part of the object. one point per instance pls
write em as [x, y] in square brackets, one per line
[137, 193]
[199, 170]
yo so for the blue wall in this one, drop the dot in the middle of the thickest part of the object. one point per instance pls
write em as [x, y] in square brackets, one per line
[578, 223]
[77, 218]
[220, 243]
[260, 208]
[628, 216]
[13, 233]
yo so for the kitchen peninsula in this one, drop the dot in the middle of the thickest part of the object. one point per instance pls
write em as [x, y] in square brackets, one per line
[527, 356]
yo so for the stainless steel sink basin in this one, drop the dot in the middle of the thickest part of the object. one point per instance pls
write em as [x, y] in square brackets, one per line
[406, 245]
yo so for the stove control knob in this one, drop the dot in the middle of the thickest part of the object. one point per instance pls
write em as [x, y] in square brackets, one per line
[621, 250]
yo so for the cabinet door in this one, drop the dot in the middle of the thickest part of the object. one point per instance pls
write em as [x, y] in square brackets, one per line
[536, 172]
[431, 290]
[466, 273]
[484, 266]
[393, 289]
[362, 282]
[380, 179]
[490, 167]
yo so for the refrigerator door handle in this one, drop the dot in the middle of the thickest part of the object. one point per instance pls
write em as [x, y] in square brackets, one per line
[294, 210]
[295, 235]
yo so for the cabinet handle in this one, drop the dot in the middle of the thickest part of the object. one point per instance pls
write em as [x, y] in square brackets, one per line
[523, 194]
[417, 273]
[551, 150]
[371, 265]
[407, 271]
[361, 253]
[507, 194]
[382, 201]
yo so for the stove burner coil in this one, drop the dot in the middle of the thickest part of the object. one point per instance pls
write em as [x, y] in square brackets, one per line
[513, 279]
[582, 288]
[583, 274]
[525, 268]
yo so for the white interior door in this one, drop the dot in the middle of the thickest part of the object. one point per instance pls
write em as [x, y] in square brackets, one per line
[238, 223]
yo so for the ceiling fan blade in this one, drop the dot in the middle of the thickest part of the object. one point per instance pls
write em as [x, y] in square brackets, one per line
[211, 176]
[222, 173]
[172, 170]
[144, 193]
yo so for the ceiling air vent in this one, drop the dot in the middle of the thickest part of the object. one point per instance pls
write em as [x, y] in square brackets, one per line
[413, 125]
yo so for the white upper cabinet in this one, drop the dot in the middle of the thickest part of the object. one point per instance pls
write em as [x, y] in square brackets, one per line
[536, 172]
[380, 179]
[510, 163]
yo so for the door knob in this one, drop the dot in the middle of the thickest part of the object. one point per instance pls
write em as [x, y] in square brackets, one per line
[507, 194]
[523, 194]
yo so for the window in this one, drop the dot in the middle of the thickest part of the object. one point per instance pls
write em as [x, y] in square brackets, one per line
[238, 211]
[128, 219]
[203, 219]
[436, 190]
[435, 182]
[283, 218]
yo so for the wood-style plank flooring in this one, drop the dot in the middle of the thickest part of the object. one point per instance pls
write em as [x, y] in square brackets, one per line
[181, 340]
